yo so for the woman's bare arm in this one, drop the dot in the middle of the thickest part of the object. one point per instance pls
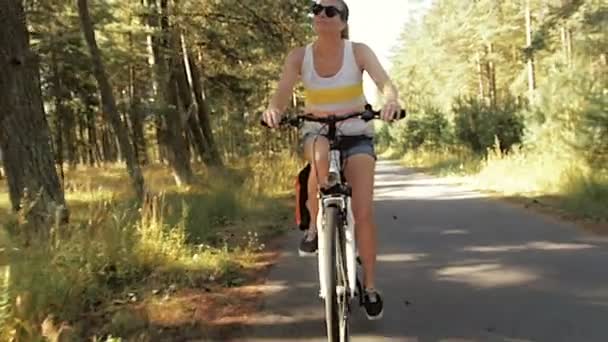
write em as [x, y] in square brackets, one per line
[289, 76]
[370, 63]
[368, 60]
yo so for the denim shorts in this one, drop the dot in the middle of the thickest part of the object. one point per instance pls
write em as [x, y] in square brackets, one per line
[350, 146]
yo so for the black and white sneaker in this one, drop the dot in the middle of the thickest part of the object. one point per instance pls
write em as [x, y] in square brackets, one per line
[373, 304]
[309, 244]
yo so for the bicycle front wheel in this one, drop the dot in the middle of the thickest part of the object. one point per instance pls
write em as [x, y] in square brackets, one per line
[331, 297]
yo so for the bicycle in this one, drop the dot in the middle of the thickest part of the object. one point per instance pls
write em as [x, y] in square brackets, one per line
[337, 251]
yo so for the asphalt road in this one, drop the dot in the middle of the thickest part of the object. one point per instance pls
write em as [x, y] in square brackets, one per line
[454, 266]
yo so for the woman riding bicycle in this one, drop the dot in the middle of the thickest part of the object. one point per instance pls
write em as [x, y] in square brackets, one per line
[331, 69]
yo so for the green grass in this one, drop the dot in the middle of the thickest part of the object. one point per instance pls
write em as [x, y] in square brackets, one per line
[210, 232]
[586, 193]
[566, 183]
[443, 162]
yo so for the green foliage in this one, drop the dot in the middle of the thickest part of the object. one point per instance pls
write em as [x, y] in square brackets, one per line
[429, 128]
[469, 59]
[590, 117]
[436, 128]
[570, 118]
[595, 128]
[477, 124]
[242, 47]
[450, 161]
[586, 193]
[468, 45]
[238, 46]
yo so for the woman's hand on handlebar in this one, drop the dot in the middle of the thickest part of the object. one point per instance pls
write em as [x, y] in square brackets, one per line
[272, 117]
[390, 111]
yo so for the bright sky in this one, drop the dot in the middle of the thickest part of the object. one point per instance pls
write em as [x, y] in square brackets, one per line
[378, 23]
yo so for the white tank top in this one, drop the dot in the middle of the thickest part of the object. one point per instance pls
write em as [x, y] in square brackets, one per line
[339, 94]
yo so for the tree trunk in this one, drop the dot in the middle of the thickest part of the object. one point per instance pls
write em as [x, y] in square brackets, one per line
[138, 132]
[69, 130]
[135, 117]
[107, 147]
[566, 37]
[491, 76]
[84, 148]
[94, 150]
[564, 45]
[531, 74]
[65, 134]
[160, 143]
[109, 104]
[170, 129]
[25, 137]
[59, 109]
[480, 77]
[134, 114]
[569, 47]
[177, 154]
[203, 111]
[150, 18]
[82, 145]
[185, 92]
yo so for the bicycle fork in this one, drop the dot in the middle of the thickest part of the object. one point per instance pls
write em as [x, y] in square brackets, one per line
[344, 204]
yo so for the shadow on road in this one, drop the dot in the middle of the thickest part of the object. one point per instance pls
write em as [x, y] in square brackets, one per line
[454, 266]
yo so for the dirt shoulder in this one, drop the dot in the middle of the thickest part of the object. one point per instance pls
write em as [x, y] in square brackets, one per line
[213, 311]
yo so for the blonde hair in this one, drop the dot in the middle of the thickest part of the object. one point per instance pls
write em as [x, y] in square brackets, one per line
[344, 17]
[344, 33]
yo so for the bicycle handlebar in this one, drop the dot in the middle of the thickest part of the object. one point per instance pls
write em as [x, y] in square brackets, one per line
[366, 115]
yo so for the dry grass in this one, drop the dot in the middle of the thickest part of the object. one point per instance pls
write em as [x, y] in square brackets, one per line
[573, 186]
[210, 232]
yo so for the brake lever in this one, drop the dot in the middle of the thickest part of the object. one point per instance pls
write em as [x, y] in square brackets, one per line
[370, 115]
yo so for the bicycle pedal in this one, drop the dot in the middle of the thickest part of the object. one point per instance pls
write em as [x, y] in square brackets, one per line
[340, 290]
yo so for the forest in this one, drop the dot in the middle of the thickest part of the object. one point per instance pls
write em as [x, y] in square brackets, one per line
[510, 95]
[136, 174]
[133, 159]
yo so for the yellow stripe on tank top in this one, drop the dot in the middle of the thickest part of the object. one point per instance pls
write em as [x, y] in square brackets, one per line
[333, 95]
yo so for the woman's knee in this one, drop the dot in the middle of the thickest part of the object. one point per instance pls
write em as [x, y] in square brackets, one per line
[364, 214]
[316, 149]
[360, 173]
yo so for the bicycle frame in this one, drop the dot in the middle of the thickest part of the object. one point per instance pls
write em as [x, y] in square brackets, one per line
[336, 231]
[341, 199]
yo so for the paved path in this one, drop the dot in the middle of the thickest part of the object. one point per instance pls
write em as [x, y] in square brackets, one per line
[455, 266]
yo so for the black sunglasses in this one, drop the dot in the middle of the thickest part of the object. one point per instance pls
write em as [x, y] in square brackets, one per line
[330, 11]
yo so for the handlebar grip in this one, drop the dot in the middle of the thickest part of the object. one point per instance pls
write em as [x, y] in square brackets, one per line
[283, 121]
[402, 114]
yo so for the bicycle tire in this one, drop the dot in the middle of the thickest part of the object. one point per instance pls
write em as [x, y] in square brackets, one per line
[331, 297]
[342, 281]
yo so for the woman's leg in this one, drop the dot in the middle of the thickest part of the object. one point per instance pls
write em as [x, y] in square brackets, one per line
[316, 152]
[359, 172]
